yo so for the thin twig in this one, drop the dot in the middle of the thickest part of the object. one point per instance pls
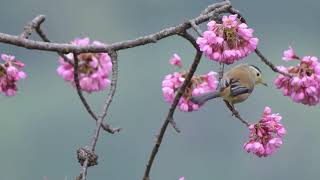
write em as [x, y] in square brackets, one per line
[31, 26]
[45, 38]
[105, 127]
[196, 28]
[268, 63]
[78, 87]
[236, 113]
[114, 59]
[171, 111]
[212, 7]
[152, 38]
[35, 25]
[221, 72]
[113, 56]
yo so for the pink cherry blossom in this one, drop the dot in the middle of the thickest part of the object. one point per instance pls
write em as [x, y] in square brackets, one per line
[94, 68]
[304, 85]
[289, 54]
[176, 60]
[266, 135]
[200, 84]
[10, 74]
[230, 21]
[227, 42]
[181, 178]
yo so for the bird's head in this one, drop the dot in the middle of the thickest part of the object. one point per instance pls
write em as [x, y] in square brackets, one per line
[257, 74]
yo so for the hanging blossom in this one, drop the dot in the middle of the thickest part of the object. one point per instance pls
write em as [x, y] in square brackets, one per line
[176, 60]
[200, 84]
[181, 178]
[94, 68]
[227, 42]
[10, 74]
[266, 135]
[304, 85]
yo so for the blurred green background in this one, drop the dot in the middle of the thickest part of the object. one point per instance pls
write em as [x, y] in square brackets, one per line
[41, 128]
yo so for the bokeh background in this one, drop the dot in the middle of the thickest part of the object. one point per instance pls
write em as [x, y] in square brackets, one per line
[41, 128]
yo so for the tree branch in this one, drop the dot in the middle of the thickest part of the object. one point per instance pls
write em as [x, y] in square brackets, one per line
[35, 25]
[45, 38]
[268, 63]
[152, 38]
[196, 28]
[221, 72]
[169, 116]
[212, 7]
[105, 127]
[113, 56]
[31, 26]
[114, 80]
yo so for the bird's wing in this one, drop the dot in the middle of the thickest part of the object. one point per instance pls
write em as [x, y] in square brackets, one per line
[224, 83]
[235, 87]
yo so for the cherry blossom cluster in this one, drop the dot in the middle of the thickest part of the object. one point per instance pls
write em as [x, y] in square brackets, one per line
[266, 135]
[200, 84]
[94, 68]
[227, 42]
[10, 74]
[304, 85]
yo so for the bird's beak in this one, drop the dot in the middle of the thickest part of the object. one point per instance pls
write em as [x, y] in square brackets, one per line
[263, 83]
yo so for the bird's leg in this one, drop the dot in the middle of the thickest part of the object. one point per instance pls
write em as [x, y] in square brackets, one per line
[231, 108]
[235, 113]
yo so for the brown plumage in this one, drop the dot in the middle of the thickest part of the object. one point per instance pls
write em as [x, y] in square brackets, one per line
[235, 86]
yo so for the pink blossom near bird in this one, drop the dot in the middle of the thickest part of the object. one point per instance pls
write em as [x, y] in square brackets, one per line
[304, 85]
[265, 136]
[94, 68]
[227, 42]
[10, 74]
[176, 60]
[289, 54]
[200, 84]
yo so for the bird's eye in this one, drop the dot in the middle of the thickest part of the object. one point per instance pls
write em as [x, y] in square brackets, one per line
[258, 74]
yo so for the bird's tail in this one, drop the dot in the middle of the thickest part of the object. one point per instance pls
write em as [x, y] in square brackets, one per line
[201, 99]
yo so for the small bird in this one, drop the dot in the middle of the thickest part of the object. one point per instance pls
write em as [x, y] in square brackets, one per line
[235, 86]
